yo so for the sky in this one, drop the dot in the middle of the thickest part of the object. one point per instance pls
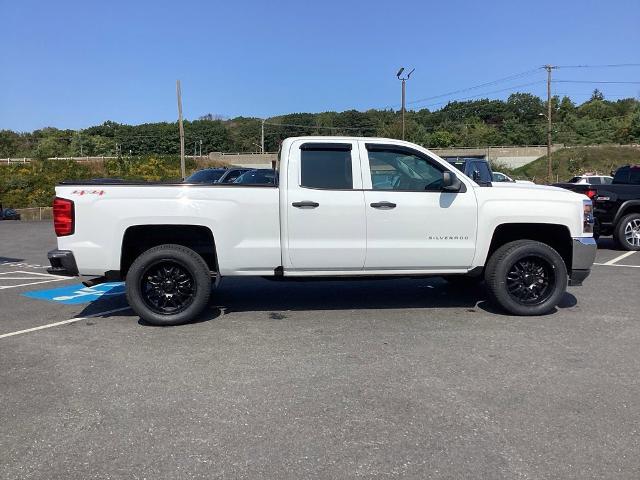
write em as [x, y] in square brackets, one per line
[73, 64]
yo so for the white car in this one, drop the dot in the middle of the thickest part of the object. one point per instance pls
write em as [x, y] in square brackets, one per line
[500, 177]
[592, 180]
[342, 207]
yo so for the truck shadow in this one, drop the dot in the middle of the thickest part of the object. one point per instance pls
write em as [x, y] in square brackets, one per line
[236, 295]
[259, 295]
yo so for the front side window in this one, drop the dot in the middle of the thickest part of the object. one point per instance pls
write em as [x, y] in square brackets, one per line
[396, 170]
[328, 169]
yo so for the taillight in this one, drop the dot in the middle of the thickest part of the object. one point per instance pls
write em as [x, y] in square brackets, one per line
[63, 217]
[591, 193]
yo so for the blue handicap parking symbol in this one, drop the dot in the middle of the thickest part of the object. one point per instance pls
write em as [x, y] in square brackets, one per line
[74, 294]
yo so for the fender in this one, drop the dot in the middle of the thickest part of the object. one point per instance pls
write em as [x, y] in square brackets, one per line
[622, 211]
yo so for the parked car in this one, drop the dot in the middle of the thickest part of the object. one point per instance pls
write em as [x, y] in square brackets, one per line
[591, 180]
[325, 217]
[208, 175]
[9, 214]
[259, 176]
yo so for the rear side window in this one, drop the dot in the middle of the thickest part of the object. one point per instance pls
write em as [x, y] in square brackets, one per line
[621, 176]
[595, 181]
[634, 176]
[326, 168]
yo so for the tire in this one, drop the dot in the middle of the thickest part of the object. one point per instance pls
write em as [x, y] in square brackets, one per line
[168, 285]
[526, 277]
[627, 232]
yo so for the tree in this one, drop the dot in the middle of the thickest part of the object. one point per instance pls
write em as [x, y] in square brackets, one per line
[597, 95]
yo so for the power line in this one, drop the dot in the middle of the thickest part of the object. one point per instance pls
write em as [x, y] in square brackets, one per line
[475, 87]
[594, 81]
[611, 65]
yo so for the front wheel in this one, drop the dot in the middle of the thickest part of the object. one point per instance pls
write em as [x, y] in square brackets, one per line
[526, 277]
[168, 285]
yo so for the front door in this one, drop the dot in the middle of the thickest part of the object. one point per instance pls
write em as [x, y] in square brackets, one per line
[324, 204]
[412, 224]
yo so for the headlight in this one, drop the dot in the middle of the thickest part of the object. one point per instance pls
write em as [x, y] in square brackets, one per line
[587, 216]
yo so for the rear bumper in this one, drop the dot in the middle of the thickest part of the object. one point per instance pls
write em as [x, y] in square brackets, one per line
[62, 263]
[584, 254]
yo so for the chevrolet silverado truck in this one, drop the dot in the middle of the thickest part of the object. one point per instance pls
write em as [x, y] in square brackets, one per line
[342, 207]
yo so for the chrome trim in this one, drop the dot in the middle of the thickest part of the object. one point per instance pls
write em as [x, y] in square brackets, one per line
[584, 253]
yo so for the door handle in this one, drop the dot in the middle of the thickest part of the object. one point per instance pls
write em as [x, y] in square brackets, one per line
[305, 204]
[383, 205]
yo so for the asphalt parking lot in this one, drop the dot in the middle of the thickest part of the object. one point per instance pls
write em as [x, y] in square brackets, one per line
[337, 379]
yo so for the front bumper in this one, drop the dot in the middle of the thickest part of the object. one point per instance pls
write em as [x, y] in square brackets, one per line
[584, 254]
[62, 263]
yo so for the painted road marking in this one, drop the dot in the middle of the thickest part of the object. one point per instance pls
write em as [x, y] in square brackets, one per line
[75, 294]
[617, 259]
[616, 265]
[12, 264]
[25, 279]
[64, 322]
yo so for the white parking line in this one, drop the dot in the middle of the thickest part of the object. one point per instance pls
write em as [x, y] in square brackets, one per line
[35, 278]
[616, 265]
[63, 322]
[617, 259]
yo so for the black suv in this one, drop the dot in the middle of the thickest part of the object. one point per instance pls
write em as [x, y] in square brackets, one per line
[616, 207]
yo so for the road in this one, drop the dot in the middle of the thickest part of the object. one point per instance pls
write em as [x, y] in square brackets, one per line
[335, 379]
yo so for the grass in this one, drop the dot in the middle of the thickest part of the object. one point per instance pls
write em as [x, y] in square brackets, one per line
[572, 161]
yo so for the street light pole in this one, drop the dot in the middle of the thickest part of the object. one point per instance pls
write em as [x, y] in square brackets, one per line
[404, 82]
[262, 136]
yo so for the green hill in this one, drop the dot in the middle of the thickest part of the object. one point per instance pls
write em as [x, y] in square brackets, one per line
[572, 161]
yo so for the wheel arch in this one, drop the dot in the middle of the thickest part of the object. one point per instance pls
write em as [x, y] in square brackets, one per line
[628, 207]
[557, 236]
[138, 239]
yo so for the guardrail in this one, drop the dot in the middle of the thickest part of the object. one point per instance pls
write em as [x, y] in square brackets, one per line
[15, 160]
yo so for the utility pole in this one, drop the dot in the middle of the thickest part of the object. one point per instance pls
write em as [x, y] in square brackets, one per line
[262, 137]
[548, 68]
[404, 81]
[179, 94]
[200, 148]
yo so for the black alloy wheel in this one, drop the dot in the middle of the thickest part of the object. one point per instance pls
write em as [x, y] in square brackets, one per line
[167, 287]
[530, 280]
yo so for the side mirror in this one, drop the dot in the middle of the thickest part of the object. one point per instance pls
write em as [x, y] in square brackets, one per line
[450, 182]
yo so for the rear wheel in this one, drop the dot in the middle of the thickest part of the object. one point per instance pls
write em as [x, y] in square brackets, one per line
[526, 277]
[168, 285]
[627, 232]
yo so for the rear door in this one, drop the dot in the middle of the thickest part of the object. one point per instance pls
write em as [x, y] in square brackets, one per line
[411, 223]
[325, 215]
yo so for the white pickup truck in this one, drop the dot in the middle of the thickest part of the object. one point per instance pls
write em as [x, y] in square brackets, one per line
[342, 207]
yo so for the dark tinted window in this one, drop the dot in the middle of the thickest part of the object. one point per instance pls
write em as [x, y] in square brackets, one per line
[606, 180]
[205, 176]
[622, 175]
[257, 177]
[634, 176]
[232, 175]
[595, 181]
[393, 170]
[574, 180]
[327, 169]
